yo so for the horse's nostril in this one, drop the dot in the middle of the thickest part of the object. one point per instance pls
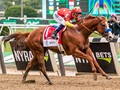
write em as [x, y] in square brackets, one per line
[109, 37]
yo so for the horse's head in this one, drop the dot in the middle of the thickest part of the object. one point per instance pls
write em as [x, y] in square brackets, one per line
[103, 28]
[92, 23]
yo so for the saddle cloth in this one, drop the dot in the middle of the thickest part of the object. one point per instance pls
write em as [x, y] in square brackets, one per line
[47, 40]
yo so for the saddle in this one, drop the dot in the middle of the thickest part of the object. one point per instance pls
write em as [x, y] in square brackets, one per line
[48, 41]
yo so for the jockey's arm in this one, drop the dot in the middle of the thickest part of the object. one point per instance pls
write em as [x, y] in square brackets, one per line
[69, 24]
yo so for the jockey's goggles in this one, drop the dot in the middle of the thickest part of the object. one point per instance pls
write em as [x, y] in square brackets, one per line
[78, 12]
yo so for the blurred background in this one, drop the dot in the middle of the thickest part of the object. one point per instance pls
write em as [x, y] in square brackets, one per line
[26, 15]
[102, 7]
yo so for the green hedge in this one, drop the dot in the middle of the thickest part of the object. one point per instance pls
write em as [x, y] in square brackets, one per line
[15, 11]
[5, 31]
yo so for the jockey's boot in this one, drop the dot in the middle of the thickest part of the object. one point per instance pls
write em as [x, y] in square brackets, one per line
[54, 34]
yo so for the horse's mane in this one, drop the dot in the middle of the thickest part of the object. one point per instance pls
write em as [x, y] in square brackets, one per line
[92, 17]
[89, 17]
[83, 18]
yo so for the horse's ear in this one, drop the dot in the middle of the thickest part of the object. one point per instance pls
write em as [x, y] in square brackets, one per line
[101, 17]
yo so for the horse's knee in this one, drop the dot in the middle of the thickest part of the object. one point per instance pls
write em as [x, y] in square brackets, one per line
[92, 66]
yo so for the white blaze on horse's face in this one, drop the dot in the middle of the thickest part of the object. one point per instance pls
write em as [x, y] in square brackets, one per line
[109, 31]
[107, 25]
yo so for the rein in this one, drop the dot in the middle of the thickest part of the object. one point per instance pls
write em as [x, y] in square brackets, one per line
[90, 30]
[86, 27]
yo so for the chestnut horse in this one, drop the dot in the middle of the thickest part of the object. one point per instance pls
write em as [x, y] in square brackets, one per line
[75, 43]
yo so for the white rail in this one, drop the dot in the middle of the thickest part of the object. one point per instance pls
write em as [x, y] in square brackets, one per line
[12, 27]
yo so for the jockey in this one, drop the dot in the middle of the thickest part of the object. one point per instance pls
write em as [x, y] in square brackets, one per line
[63, 16]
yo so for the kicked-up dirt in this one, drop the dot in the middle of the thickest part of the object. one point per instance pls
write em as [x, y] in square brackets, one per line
[81, 82]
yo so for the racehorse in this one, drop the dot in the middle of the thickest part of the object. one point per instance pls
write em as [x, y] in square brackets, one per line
[75, 42]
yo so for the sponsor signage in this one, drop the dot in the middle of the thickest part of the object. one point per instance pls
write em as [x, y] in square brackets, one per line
[104, 56]
[6, 21]
[33, 22]
[23, 56]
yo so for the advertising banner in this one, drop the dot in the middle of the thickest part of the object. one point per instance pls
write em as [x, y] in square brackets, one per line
[104, 56]
[23, 56]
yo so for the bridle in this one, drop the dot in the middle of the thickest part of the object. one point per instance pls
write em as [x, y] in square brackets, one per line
[89, 29]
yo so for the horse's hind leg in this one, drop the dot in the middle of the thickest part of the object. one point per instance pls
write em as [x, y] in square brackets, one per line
[29, 66]
[42, 67]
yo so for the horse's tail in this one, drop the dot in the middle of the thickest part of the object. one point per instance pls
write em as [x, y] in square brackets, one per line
[5, 39]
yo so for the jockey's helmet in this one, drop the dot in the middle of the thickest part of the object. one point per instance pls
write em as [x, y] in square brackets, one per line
[77, 10]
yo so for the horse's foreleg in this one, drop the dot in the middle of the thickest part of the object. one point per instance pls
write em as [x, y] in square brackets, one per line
[89, 51]
[80, 54]
[42, 67]
[29, 66]
[100, 70]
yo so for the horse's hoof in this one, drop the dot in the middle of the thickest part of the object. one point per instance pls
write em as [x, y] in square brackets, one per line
[95, 77]
[108, 77]
[23, 81]
[28, 81]
[49, 83]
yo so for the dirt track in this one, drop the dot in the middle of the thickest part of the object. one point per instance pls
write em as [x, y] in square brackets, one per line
[82, 82]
